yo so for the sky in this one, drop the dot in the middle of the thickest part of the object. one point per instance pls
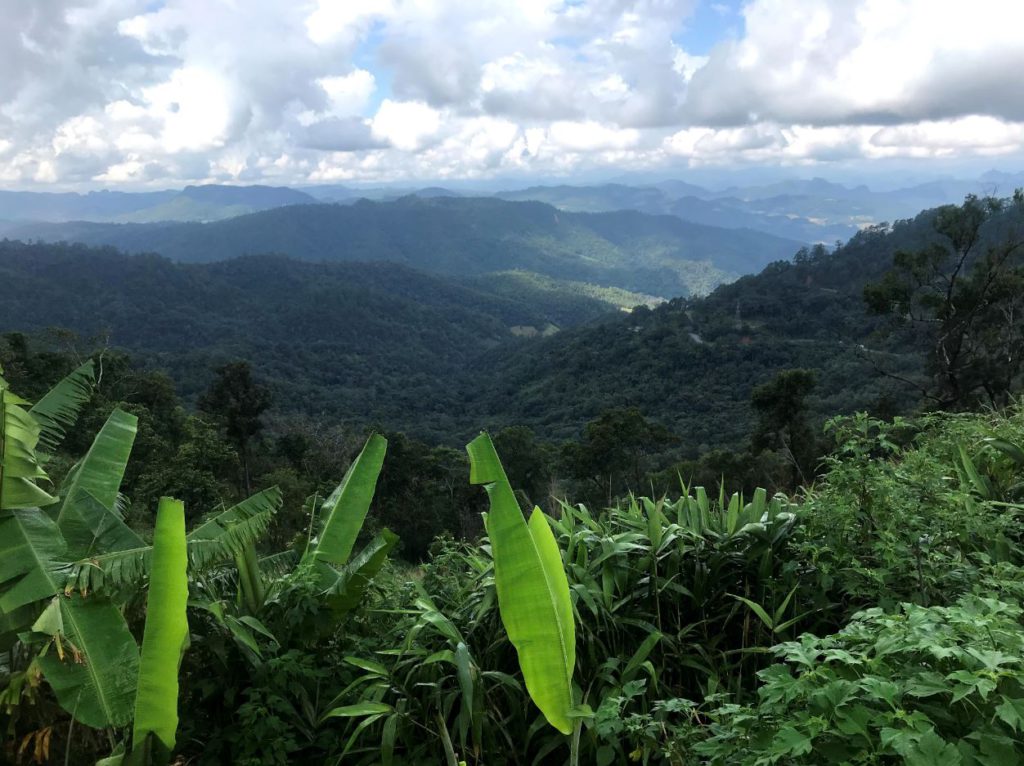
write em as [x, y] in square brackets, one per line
[157, 93]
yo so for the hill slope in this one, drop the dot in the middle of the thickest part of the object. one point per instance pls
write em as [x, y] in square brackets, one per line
[362, 341]
[663, 256]
[692, 364]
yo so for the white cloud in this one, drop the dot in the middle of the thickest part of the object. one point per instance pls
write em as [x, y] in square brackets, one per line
[591, 136]
[406, 125]
[843, 62]
[131, 92]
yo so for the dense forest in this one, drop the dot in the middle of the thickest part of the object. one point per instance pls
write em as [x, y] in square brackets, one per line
[777, 524]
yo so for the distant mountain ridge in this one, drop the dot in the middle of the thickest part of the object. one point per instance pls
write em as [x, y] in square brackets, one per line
[193, 203]
[813, 210]
[662, 256]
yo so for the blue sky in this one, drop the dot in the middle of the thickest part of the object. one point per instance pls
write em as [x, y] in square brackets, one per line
[710, 23]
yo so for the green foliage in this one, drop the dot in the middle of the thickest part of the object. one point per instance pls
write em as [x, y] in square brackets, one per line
[922, 685]
[893, 522]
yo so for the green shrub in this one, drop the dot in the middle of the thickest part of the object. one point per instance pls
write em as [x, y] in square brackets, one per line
[922, 685]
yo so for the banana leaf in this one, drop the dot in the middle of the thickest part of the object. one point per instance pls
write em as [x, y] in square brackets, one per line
[166, 631]
[126, 560]
[19, 466]
[58, 409]
[344, 511]
[91, 493]
[533, 591]
[92, 662]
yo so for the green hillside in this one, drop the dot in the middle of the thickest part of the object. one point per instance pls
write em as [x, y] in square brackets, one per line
[362, 341]
[693, 363]
[662, 256]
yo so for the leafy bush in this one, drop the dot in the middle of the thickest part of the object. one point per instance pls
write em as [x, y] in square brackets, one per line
[922, 685]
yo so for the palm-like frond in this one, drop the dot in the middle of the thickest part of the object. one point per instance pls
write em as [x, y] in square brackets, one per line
[277, 564]
[218, 539]
[58, 410]
[229, 532]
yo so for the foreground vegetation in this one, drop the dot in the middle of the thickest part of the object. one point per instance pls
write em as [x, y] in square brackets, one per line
[876, 619]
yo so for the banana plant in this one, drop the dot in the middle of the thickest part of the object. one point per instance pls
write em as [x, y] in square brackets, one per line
[89, 657]
[335, 527]
[533, 590]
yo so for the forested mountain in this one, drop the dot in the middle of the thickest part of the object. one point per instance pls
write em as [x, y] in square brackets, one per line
[697, 206]
[439, 356]
[364, 342]
[193, 203]
[693, 364]
[659, 255]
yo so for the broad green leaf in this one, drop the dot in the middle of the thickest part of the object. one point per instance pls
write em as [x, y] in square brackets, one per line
[33, 558]
[464, 671]
[790, 741]
[97, 477]
[58, 409]
[1011, 711]
[19, 465]
[756, 609]
[533, 591]
[166, 631]
[346, 592]
[343, 513]
[115, 549]
[1011, 450]
[96, 679]
[981, 484]
[932, 750]
[640, 656]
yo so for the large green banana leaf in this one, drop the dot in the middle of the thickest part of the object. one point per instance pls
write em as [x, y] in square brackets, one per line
[97, 477]
[346, 592]
[533, 591]
[59, 409]
[166, 631]
[19, 467]
[92, 662]
[33, 559]
[345, 510]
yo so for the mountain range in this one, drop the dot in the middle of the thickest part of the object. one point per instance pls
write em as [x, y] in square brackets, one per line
[808, 210]
[662, 256]
[441, 355]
